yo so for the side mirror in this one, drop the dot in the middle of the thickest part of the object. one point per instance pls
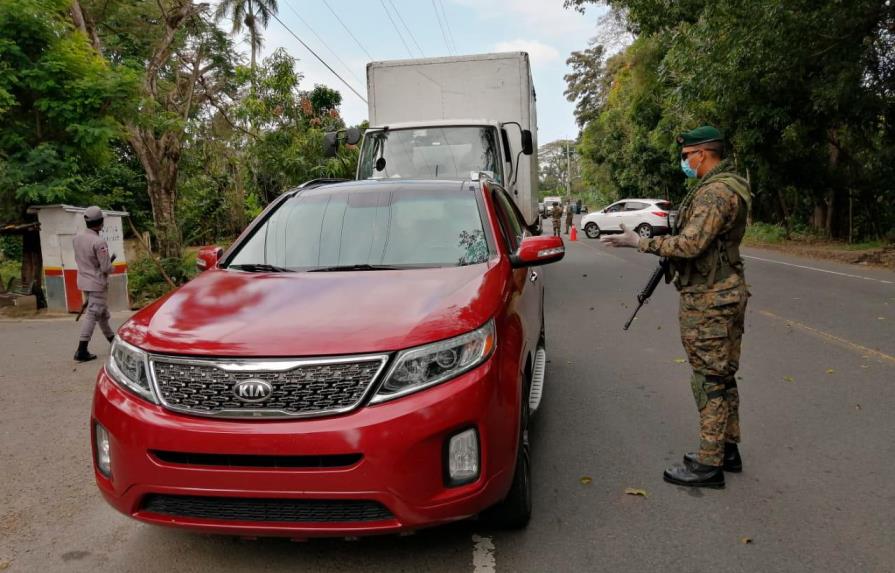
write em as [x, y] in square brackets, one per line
[534, 251]
[352, 136]
[208, 257]
[527, 145]
[330, 143]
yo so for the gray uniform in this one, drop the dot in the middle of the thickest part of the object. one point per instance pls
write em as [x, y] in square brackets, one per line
[94, 267]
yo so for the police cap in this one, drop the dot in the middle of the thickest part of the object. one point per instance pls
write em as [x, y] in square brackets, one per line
[93, 214]
[704, 134]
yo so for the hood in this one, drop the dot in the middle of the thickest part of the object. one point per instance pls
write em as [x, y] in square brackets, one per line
[236, 314]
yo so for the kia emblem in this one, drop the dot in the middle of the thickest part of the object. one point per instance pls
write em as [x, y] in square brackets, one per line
[252, 390]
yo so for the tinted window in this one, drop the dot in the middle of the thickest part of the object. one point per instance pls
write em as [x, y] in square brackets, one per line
[510, 223]
[615, 208]
[403, 227]
[635, 206]
[664, 205]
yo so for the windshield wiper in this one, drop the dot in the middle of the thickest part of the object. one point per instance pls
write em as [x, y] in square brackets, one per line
[260, 268]
[363, 267]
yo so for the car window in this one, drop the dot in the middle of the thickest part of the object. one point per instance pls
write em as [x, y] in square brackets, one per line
[510, 224]
[404, 228]
[664, 205]
[635, 206]
[615, 208]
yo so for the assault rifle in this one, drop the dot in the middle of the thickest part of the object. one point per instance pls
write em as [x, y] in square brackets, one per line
[651, 285]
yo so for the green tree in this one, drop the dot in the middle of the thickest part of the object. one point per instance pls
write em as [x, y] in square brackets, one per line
[253, 14]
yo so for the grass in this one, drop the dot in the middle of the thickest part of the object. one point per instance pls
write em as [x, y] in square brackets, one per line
[9, 269]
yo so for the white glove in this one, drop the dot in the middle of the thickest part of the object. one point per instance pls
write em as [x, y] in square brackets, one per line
[627, 238]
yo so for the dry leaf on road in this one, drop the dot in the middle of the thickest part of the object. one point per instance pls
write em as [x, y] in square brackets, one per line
[745, 540]
[789, 379]
[830, 371]
[679, 360]
[635, 491]
[586, 480]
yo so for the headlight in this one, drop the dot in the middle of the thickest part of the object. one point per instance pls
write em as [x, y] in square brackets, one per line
[432, 364]
[129, 366]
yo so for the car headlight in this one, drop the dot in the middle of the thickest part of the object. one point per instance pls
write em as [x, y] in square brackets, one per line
[129, 366]
[435, 363]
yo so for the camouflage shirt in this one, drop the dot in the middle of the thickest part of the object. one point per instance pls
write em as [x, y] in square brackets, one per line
[711, 212]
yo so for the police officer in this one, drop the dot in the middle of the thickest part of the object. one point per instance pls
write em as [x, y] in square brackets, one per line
[556, 215]
[708, 272]
[94, 266]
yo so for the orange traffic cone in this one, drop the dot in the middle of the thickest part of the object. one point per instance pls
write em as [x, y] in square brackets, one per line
[573, 234]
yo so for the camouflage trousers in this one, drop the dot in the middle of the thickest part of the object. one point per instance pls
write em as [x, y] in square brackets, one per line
[712, 331]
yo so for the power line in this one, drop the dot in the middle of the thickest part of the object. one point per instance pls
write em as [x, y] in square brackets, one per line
[322, 61]
[395, 26]
[440, 25]
[322, 41]
[447, 25]
[406, 27]
[356, 41]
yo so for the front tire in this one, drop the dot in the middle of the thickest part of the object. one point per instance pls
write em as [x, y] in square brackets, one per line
[645, 230]
[514, 512]
[592, 231]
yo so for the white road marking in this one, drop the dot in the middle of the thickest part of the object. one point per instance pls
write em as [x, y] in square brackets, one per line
[818, 270]
[483, 560]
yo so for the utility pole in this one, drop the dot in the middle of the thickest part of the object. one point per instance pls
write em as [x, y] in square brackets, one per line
[568, 172]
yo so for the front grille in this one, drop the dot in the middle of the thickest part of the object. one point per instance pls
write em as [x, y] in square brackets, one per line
[254, 461]
[300, 388]
[267, 510]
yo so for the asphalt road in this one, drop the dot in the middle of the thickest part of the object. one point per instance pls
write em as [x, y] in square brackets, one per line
[817, 399]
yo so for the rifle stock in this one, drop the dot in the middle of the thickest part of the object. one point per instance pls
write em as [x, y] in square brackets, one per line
[645, 294]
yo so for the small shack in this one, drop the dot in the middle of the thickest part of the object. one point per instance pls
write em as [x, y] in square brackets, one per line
[58, 226]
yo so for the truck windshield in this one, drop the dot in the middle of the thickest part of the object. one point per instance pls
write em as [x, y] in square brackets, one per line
[430, 153]
[360, 230]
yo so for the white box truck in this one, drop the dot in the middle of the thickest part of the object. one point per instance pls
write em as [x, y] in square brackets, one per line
[454, 118]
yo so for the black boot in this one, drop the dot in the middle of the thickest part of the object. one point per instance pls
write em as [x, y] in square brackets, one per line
[110, 338]
[83, 355]
[695, 475]
[732, 460]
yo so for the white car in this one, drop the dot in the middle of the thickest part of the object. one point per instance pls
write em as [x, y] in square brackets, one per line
[648, 217]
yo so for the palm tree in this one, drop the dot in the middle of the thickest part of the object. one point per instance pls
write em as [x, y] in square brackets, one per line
[248, 13]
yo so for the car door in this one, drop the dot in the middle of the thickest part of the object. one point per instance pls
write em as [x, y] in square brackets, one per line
[527, 283]
[634, 214]
[611, 217]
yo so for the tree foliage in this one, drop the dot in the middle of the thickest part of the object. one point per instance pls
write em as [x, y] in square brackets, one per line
[803, 89]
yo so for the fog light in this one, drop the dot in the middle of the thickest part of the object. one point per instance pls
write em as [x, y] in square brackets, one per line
[463, 457]
[101, 450]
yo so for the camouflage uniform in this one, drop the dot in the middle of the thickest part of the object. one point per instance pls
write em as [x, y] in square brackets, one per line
[556, 215]
[708, 272]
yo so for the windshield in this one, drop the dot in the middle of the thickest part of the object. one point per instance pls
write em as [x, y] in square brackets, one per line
[430, 153]
[368, 230]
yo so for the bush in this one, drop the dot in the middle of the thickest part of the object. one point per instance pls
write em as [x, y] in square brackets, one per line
[146, 283]
[765, 233]
[11, 247]
[9, 269]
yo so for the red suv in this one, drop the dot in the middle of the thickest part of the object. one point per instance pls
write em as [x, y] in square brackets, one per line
[363, 359]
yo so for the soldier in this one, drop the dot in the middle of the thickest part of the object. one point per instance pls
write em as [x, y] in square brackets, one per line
[569, 215]
[556, 214]
[94, 266]
[708, 272]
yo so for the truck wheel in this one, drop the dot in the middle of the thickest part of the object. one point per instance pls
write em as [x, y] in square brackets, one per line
[645, 230]
[592, 231]
[514, 512]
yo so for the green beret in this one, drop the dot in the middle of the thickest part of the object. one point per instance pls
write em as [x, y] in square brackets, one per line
[703, 134]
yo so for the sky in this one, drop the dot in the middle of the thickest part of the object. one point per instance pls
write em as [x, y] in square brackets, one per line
[543, 28]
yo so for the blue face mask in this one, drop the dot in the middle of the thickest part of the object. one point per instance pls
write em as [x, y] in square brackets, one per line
[688, 171]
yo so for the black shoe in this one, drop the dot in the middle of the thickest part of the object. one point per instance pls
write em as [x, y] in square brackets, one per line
[695, 475]
[83, 355]
[732, 460]
[110, 338]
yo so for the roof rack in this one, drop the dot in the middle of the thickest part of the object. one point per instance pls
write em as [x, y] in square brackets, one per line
[321, 182]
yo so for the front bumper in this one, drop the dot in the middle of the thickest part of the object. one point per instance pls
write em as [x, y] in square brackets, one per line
[402, 444]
